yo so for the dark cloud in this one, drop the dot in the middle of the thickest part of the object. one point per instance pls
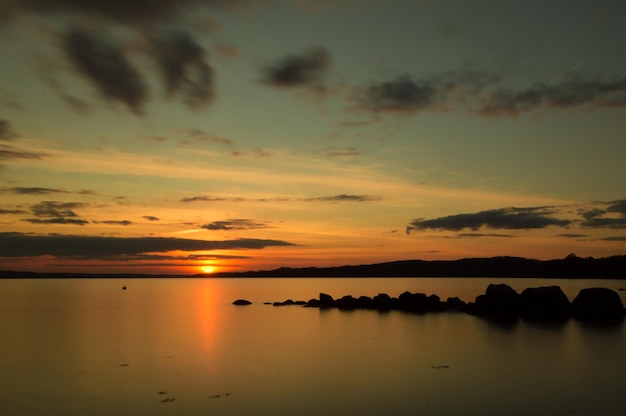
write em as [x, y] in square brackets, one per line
[406, 94]
[573, 92]
[342, 197]
[57, 220]
[150, 218]
[332, 198]
[132, 12]
[234, 224]
[399, 95]
[475, 235]
[203, 136]
[13, 153]
[74, 246]
[36, 191]
[305, 69]
[613, 216]
[205, 199]
[6, 132]
[616, 238]
[55, 209]
[504, 218]
[105, 65]
[185, 68]
[115, 222]
[12, 211]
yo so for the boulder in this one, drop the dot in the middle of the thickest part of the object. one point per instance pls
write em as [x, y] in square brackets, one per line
[598, 305]
[383, 302]
[242, 302]
[455, 304]
[544, 304]
[347, 302]
[326, 301]
[499, 303]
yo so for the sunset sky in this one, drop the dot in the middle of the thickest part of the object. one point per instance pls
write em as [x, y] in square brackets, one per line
[190, 136]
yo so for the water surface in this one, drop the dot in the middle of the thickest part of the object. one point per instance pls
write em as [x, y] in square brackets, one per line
[85, 346]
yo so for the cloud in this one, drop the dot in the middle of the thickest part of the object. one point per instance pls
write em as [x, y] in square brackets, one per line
[55, 209]
[616, 238]
[184, 68]
[36, 191]
[234, 224]
[87, 247]
[203, 136]
[105, 65]
[572, 92]
[150, 218]
[613, 216]
[114, 222]
[407, 95]
[340, 151]
[12, 211]
[475, 235]
[305, 69]
[6, 132]
[131, 12]
[331, 198]
[504, 218]
[13, 153]
[256, 152]
[57, 220]
[342, 198]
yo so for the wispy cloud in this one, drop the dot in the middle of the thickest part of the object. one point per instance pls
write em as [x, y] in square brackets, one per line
[185, 68]
[612, 215]
[573, 92]
[55, 209]
[150, 218]
[234, 224]
[6, 131]
[299, 70]
[330, 198]
[88, 247]
[36, 191]
[104, 64]
[503, 218]
[57, 220]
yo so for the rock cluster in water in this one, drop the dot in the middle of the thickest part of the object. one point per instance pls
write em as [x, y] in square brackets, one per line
[499, 303]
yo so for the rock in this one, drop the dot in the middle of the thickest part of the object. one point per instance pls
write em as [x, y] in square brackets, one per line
[313, 303]
[383, 302]
[326, 301]
[242, 302]
[598, 305]
[455, 304]
[366, 302]
[347, 303]
[544, 304]
[499, 303]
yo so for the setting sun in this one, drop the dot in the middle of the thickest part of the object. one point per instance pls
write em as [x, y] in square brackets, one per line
[207, 269]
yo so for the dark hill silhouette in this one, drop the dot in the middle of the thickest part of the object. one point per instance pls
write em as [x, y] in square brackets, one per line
[570, 267]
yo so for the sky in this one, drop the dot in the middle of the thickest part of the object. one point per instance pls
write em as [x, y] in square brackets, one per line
[197, 136]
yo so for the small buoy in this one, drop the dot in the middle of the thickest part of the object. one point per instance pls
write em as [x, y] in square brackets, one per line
[123, 287]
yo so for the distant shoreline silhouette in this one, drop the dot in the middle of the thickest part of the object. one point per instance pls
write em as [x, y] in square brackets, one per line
[570, 267]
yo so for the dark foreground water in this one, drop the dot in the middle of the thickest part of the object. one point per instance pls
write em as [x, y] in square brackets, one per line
[178, 347]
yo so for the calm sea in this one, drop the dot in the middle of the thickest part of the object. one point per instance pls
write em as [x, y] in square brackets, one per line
[178, 347]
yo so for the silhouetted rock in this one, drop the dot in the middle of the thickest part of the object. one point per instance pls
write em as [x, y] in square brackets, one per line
[366, 302]
[455, 304]
[383, 302]
[598, 305]
[500, 302]
[313, 303]
[242, 302]
[544, 304]
[347, 303]
[326, 301]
